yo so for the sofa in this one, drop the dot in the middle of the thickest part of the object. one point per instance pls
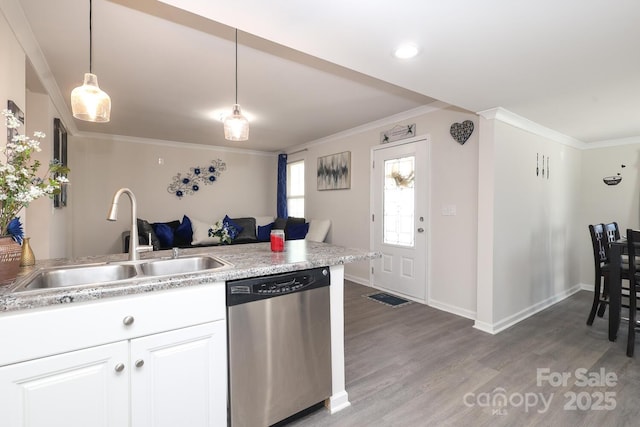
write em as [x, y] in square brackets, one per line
[191, 232]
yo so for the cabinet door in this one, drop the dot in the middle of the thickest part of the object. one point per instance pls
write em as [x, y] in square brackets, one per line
[77, 389]
[179, 378]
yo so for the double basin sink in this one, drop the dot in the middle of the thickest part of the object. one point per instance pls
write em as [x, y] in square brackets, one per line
[88, 274]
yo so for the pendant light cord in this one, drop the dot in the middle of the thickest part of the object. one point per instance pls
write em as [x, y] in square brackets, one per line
[90, 37]
[236, 65]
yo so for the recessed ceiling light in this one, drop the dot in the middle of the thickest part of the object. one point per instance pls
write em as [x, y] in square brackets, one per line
[406, 51]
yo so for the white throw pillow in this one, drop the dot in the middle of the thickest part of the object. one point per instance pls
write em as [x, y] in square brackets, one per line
[318, 229]
[201, 233]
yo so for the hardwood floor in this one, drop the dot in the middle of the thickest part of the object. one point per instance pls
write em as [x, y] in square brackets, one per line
[418, 366]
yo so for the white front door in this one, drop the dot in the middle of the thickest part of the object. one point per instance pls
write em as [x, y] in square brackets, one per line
[400, 194]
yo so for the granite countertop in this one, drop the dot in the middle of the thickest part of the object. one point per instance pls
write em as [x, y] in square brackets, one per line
[248, 260]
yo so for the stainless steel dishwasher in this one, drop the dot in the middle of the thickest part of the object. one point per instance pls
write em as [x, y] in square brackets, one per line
[279, 346]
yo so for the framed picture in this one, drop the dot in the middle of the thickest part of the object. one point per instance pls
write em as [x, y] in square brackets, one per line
[60, 154]
[334, 171]
[18, 114]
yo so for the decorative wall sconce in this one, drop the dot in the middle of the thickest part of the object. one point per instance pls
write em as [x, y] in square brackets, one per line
[614, 179]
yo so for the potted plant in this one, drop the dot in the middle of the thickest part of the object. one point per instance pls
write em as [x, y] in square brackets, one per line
[20, 184]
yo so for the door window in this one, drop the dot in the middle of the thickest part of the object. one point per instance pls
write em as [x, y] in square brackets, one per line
[398, 205]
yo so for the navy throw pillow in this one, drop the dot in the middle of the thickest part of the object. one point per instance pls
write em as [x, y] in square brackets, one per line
[232, 227]
[264, 232]
[183, 233]
[297, 231]
[164, 233]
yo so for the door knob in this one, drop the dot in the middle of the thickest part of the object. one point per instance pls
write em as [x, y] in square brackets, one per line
[119, 367]
[420, 230]
[139, 363]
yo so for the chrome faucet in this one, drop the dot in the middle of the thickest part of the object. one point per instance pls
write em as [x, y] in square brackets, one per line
[133, 234]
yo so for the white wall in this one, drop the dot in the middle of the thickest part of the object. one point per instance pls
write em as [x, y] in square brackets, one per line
[603, 203]
[528, 223]
[454, 182]
[99, 167]
[49, 228]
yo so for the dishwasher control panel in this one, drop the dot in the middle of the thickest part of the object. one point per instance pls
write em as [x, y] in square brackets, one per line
[256, 288]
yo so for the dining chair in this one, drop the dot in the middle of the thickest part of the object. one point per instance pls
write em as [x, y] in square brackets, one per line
[601, 236]
[633, 248]
[612, 234]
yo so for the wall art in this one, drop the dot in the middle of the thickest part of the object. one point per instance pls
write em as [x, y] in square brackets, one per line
[544, 164]
[398, 132]
[334, 171]
[60, 156]
[614, 179]
[461, 131]
[191, 182]
[18, 114]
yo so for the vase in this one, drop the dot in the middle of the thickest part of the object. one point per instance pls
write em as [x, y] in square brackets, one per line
[10, 254]
[27, 258]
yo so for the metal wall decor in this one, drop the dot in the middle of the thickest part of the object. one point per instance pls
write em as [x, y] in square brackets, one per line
[461, 131]
[542, 168]
[334, 171]
[190, 182]
[398, 132]
[614, 179]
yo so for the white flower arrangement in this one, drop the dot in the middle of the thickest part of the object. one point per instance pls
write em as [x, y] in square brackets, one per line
[19, 182]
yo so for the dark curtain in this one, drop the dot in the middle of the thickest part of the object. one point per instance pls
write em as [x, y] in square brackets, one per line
[282, 186]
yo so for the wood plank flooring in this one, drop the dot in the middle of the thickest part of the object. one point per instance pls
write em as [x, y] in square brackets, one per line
[418, 366]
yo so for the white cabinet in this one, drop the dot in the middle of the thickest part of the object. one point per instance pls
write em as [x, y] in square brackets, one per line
[75, 389]
[178, 378]
[154, 375]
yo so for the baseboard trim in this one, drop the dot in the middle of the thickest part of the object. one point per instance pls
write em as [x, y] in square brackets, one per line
[337, 402]
[452, 309]
[587, 287]
[506, 323]
[357, 279]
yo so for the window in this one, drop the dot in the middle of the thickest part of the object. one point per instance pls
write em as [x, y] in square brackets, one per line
[295, 188]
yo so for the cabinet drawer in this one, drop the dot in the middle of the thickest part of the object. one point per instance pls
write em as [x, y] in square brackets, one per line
[42, 332]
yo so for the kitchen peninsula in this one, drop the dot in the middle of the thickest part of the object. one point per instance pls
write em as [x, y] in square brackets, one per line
[102, 337]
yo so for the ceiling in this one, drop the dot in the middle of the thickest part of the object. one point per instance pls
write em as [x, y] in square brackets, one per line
[307, 70]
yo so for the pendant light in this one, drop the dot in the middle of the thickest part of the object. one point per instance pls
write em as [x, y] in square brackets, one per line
[89, 102]
[236, 126]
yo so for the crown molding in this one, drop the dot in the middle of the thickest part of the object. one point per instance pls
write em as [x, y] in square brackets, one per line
[613, 143]
[19, 24]
[391, 120]
[173, 144]
[525, 124]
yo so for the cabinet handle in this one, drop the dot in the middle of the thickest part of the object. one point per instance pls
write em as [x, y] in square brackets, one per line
[119, 367]
[139, 363]
[128, 320]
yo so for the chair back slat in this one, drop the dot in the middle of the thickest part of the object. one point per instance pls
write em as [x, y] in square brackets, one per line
[598, 242]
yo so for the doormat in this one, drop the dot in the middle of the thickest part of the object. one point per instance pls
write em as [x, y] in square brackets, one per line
[386, 299]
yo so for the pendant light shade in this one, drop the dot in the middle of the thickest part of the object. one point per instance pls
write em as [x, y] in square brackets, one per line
[89, 102]
[236, 126]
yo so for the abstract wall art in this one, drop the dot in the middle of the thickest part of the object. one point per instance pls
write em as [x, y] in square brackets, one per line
[334, 171]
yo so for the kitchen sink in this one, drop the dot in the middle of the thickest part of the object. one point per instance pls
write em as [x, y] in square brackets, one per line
[71, 276]
[112, 272]
[192, 264]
